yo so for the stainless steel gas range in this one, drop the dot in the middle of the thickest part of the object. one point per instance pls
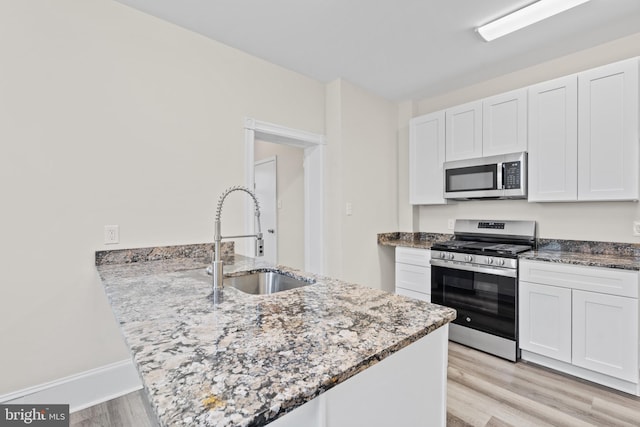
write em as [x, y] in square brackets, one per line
[477, 274]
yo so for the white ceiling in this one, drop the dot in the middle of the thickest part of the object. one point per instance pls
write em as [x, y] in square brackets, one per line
[398, 49]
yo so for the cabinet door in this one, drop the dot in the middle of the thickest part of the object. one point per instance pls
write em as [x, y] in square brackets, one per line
[608, 132]
[553, 140]
[464, 131]
[413, 277]
[605, 334]
[426, 159]
[504, 123]
[545, 320]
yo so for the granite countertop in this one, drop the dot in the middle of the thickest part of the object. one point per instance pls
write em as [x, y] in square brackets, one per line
[247, 359]
[623, 262]
[412, 240]
[625, 256]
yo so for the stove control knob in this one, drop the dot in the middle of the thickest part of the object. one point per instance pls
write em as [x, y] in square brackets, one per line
[500, 262]
[443, 255]
[468, 258]
[451, 256]
[489, 261]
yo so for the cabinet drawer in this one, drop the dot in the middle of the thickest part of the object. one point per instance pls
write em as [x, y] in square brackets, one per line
[413, 294]
[595, 279]
[413, 256]
[413, 277]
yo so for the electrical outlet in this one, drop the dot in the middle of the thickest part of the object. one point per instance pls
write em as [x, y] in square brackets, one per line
[111, 234]
[349, 209]
[636, 228]
[451, 223]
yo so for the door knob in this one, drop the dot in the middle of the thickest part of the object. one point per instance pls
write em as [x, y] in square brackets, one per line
[271, 230]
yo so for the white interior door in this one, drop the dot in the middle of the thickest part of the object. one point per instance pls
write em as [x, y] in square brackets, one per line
[265, 181]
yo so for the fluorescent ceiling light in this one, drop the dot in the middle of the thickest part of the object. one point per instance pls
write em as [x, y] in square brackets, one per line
[526, 16]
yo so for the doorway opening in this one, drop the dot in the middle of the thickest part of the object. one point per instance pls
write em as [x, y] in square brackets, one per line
[279, 186]
[311, 148]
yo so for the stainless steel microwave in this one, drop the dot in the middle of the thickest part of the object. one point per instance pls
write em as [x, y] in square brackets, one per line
[495, 177]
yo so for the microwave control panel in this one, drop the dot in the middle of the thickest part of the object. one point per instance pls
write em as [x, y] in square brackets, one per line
[511, 175]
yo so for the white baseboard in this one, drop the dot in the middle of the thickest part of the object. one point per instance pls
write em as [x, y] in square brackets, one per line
[576, 371]
[82, 390]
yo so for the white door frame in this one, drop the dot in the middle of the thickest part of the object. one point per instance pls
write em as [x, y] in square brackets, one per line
[314, 153]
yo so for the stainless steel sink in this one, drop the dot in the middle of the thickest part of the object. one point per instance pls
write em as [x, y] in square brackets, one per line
[264, 283]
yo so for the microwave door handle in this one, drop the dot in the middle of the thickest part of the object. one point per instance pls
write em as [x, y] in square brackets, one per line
[500, 173]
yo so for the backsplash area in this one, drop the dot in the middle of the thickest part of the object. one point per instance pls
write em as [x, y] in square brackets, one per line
[588, 221]
[127, 256]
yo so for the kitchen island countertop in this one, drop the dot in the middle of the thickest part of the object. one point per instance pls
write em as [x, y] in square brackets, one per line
[249, 359]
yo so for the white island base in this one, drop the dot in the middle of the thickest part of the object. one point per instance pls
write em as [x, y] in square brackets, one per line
[408, 388]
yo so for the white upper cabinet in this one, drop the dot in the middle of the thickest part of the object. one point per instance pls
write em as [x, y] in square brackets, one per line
[464, 131]
[583, 136]
[492, 126]
[553, 140]
[504, 123]
[582, 133]
[426, 159]
[608, 132]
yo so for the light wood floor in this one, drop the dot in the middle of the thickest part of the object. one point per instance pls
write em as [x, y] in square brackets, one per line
[483, 391]
[486, 391]
[132, 410]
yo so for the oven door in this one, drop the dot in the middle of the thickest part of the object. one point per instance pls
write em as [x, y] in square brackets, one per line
[486, 302]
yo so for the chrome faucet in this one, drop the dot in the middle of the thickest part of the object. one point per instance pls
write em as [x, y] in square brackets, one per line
[216, 263]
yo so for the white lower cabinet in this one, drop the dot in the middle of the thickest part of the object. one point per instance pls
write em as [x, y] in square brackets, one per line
[413, 273]
[581, 320]
[545, 320]
[605, 334]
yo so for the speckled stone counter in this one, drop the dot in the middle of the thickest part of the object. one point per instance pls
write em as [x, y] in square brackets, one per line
[418, 240]
[586, 259]
[624, 256]
[247, 360]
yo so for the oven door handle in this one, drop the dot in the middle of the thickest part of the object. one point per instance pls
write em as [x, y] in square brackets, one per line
[475, 268]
